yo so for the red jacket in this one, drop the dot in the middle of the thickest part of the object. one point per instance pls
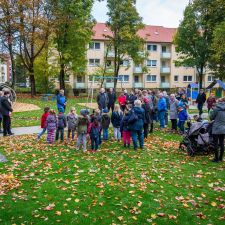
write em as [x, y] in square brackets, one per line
[43, 119]
[210, 102]
[122, 100]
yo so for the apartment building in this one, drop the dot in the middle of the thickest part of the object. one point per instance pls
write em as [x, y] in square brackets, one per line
[163, 72]
[4, 68]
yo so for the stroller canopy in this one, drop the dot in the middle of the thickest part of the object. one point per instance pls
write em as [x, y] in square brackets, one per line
[195, 128]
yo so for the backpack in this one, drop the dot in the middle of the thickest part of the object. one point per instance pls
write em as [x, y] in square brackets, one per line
[94, 134]
[133, 118]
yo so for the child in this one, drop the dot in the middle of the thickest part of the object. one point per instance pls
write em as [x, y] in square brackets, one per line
[182, 117]
[197, 118]
[82, 128]
[105, 123]
[126, 131]
[129, 107]
[71, 118]
[93, 114]
[51, 125]
[43, 121]
[94, 130]
[211, 110]
[184, 100]
[61, 124]
[98, 114]
[116, 118]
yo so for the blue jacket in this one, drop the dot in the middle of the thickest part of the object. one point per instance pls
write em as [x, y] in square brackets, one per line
[137, 125]
[132, 99]
[124, 124]
[162, 105]
[183, 115]
[60, 101]
[116, 119]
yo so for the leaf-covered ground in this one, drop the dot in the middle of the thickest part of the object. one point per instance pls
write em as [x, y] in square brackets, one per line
[50, 184]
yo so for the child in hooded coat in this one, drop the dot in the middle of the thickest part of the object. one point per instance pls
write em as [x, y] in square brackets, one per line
[61, 124]
[51, 125]
[71, 119]
[105, 123]
[124, 127]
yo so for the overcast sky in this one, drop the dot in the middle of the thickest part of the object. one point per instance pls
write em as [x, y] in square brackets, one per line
[167, 13]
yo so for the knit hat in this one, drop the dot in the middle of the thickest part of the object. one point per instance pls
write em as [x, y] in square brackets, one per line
[181, 104]
[61, 109]
[6, 92]
[153, 92]
[105, 111]
[83, 112]
[145, 100]
[88, 111]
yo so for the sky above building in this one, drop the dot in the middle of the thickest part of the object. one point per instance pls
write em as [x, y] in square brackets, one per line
[167, 13]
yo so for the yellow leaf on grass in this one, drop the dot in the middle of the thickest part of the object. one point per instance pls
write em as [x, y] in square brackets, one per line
[58, 213]
[120, 218]
[77, 200]
[134, 218]
[213, 204]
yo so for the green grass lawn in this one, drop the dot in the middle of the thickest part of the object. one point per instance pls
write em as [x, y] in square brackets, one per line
[116, 185]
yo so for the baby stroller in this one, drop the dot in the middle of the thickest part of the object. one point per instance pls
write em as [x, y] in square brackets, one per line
[198, 139]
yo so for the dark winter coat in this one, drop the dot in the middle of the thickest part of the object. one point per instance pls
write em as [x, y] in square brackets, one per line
[102, 100]
[5, 106]
[201, 98]
[51, 123]
[218, 115]
[127, 96]
[124, 124]
[99, 120]
[112, 99]
[0, 108]
[210, 101]
[71, 119]
[148, 113]
[116, 118]
[82, 125]
[105, 120]
[137, 125]
[179, 96]
[61, 121]
[132, 99]
[150, 98]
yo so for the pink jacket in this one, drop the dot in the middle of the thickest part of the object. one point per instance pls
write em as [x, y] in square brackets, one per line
[92, 124]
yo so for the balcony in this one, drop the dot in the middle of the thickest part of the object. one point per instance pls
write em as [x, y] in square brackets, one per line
[109, 85]
[79, 85]
[110, 54]
[137, 70]
[203, 70]
[165, 55]
[165, 70]
[137, 85]
[164, 85]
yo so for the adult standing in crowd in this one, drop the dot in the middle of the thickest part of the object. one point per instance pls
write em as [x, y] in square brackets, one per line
[6, 109]
[140, 96]
[1, 113]
[173, 112]
[148, 117]
[136, 93]
[102, 99]
[61, 100]
[162, 110]
[122, 101]
[218, 129]
[210, 101]
[136, 128]
[167, 99]
[132, 98]
[127, 95]
[180, 93]
[201, 100]
[112, 99]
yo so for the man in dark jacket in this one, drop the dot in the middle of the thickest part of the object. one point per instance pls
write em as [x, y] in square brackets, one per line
[112, 99]
[201, 100]
[180, 93]
[131, 99]
[102, 99]
[126, 94]
[6, 108]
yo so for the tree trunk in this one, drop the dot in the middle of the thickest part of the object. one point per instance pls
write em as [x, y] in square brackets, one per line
[115, 68]
[200, 76]
[62, 77]
[33, 87]
[13, 76]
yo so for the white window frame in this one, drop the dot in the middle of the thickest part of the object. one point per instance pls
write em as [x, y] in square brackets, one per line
[151, 63]
[66, 81]
[90, 47]
[120, 80]
[212, 78]
[187, 78]
[177, 80]
[152, 48]
[81, 79]
[151, 78]
[138, 79]
[124, 63]
[94, 62]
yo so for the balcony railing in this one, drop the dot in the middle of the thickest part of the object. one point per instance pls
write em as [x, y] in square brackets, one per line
[164, 85]
[109, 85]
[110, 54]
[137, 70]
[137, 85]
[165, 55]
[165, 70]
[79, 85]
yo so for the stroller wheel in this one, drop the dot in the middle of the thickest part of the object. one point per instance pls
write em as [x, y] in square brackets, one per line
[181, 147]
[190, 151]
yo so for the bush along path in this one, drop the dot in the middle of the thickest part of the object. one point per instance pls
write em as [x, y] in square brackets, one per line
[49, 184]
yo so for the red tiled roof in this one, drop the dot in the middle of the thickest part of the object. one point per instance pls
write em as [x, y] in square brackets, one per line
[158, 33]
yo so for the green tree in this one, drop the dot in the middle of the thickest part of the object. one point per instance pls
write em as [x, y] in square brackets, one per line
[124, 23]
[72, 27]
[20, 71]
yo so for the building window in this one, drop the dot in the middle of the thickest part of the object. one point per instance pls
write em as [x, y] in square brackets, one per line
[210, 78]
[79, 79]
[66, 78]
[94, 62]
[152, 48]
[176, 65]
[108, 63]
[126, 78]
[124, 63]
[151, 78]
[95, 46]
[152, 63]
[176, 78]
[187, 78]
[136, 79]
